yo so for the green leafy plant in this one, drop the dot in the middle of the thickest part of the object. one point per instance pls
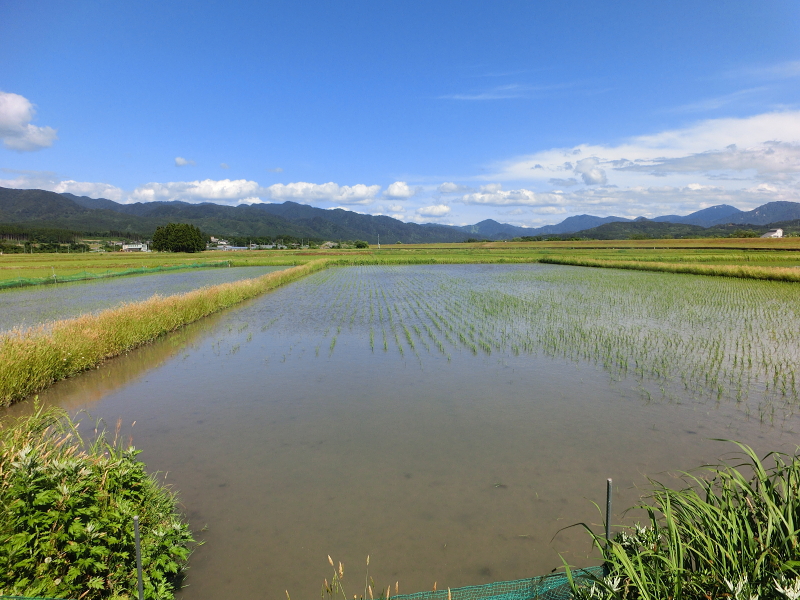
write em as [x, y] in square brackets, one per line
[732, 533]
[66, 515]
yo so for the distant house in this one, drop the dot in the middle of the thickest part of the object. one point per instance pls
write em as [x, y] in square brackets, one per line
[773, 233]
[134, 248]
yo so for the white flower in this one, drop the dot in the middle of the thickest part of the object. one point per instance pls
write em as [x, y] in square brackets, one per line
[790, 590]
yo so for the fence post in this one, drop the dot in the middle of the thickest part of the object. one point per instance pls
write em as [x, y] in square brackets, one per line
[138, 556]
[608, 511]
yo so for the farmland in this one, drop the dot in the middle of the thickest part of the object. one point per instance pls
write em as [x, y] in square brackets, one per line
[445, 409]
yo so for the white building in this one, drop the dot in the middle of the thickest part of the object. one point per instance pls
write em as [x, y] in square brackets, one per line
[134, 248]
[773, 233]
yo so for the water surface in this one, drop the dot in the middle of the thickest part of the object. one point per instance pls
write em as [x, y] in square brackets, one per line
[448, 421]
[24, 307]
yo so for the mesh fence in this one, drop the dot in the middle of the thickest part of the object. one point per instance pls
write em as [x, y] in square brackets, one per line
[85, 275]
[549, 587]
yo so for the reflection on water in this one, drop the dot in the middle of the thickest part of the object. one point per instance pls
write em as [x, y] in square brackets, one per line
[29, 306]
[317, 420]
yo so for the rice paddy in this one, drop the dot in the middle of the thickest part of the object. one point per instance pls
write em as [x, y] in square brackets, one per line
[447, 420]
[709, 339]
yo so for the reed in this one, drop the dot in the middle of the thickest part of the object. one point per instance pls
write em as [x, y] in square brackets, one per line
[731, 533]
[738, 271]
[32, 359]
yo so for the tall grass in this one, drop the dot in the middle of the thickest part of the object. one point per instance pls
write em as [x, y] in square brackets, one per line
[733, 532]
[66, 511]
[739, 271]
[32, 359]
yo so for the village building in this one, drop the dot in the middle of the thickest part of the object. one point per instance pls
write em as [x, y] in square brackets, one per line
[773, 233]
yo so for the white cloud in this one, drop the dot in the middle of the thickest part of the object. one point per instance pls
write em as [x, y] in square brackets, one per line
[589, 171]
[224, 165]
[396, 208]
[766, 142]
[91, 189]
[16, 131]
[46, 180]
[183, 162]
[275, 170]
[326, 192]
[224, 191]
[437, 210]
[399, 190]
[494, 195]
[448, 187]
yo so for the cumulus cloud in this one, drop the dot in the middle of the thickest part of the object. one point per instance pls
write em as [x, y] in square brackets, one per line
[448, 187]
[436, 210]
[571, 182]
[766, 144]
[183, 162]
[771, 160]
[399, 190]
[46, 180]
[589, 171]
[16, 130]
[224, 165]
[494, 195]
[327, 192]
[91, 189]
[225, 191]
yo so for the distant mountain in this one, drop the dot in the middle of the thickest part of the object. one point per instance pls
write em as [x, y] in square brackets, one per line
[79, 213]
[722, 213]
[577, 223]
[772, 212]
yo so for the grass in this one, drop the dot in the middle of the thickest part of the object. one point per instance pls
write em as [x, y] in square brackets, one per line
[32, 359]
[719, 270]
[732, 532]
[66, 515]
[751, 251]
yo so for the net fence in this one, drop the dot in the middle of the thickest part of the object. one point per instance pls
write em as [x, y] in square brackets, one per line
[548, 587]
[86, 275]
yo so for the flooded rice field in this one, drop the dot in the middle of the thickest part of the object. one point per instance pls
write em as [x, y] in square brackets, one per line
[449, 421]
[30, 306]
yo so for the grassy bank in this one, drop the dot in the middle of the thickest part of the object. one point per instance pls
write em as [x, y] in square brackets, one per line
[738, 271]
[87, 275]
[66, 515]
[32, 359]
[731, 533]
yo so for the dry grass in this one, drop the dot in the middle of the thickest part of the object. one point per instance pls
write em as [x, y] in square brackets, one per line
[739, 271]
[32, 359]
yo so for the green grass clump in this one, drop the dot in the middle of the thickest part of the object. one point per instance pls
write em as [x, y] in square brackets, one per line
[66, 515]
[731, 533]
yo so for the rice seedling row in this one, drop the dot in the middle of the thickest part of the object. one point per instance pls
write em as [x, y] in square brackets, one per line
[679, 335]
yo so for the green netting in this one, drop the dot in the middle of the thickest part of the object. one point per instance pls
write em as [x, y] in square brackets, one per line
[84, 276]
[549, 587]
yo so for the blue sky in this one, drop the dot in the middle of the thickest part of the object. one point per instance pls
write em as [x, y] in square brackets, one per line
[428, 111]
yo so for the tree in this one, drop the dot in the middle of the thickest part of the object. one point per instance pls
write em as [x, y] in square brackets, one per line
[361, 244]
[178, 237]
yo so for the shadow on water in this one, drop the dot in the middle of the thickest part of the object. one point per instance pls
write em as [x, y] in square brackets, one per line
[356, 412]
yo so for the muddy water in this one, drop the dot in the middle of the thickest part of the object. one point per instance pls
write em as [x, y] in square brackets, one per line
[29, 306]
[291, 434]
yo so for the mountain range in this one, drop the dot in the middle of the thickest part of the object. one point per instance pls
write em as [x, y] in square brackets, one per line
[81, 213]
